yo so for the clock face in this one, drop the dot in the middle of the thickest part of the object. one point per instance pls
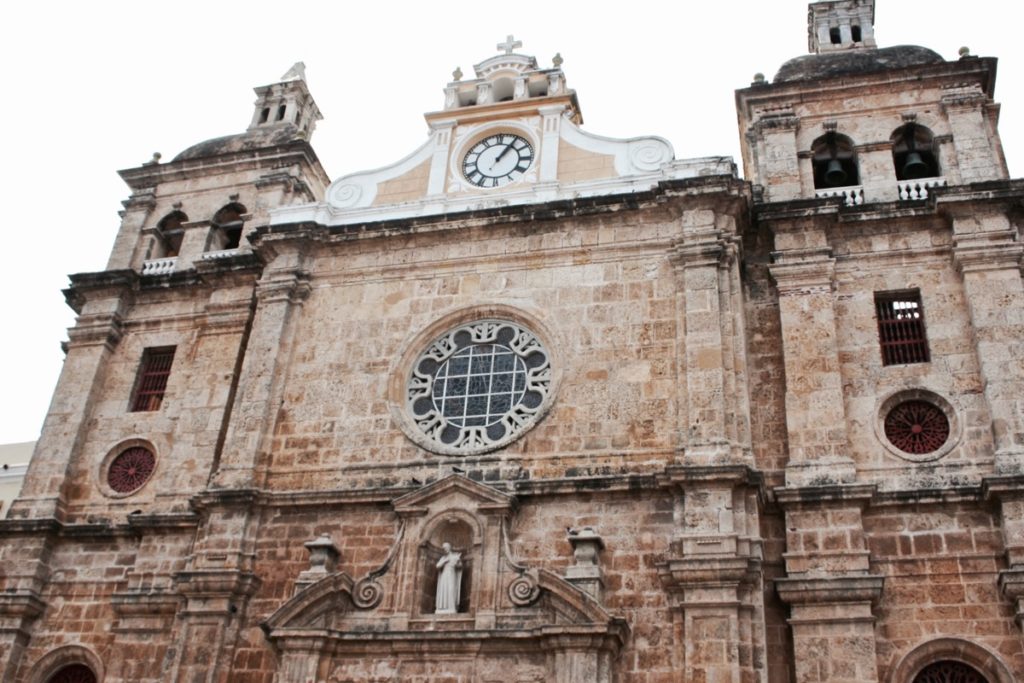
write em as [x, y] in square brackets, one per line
[497, 160]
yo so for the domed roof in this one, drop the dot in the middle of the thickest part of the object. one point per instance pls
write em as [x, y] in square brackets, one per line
[242, 142]
[847, 62]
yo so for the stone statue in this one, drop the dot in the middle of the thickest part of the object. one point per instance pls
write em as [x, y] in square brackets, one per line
[449, 581]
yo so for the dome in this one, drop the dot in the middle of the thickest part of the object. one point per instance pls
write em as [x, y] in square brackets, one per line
[849, 62]
[242, 142]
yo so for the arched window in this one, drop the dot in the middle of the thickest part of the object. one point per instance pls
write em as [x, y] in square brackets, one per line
[913, 153]
[73, 673]
[171, 233]
[835, 164]
[949, 671]
[227, 225]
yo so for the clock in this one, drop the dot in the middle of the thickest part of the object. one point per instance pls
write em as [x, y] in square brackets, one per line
[497, 160]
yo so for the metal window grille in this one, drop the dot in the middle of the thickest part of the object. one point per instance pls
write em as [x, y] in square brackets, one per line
[152, 380]
[74, 673]
[131, 469]
[949, 672]
[917, 427]
[901, 329]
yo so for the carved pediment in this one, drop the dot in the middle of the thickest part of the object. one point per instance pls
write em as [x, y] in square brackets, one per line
[390, 613]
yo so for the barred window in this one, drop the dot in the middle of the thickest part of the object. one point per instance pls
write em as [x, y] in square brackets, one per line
[901, 330]
[151, 381]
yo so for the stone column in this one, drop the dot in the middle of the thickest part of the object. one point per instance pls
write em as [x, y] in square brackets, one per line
[714, 421]
[279, 294]
[713, 574]
[101, 300]
[965, 108]
[815, 415]
[1008, 492]
[828, 587]
[25, 549]
[988, 256]
[128, 252]
[772, 140]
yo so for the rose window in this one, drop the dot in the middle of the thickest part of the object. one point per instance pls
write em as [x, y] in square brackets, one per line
[478, 387]
[917, 427]
[130, 469]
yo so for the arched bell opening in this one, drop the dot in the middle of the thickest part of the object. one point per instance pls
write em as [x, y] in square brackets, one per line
[835, 162]
[913, 153]
[227, 227]
[459, 535]
[170, 234]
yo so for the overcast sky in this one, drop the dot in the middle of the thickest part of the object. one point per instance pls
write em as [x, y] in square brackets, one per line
[96, 87]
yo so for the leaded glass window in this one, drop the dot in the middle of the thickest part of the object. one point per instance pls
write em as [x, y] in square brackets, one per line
[479, 386]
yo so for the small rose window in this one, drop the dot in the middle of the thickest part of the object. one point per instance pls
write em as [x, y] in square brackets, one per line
[917, 427]
[130, 469]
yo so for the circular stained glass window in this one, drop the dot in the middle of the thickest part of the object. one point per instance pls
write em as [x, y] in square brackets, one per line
[478, 387]
[917, 427]
[130, 469]
[74, 673]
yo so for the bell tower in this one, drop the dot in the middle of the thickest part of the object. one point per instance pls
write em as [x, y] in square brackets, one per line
[840, 25]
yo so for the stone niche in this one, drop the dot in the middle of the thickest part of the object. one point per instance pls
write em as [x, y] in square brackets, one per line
[512, 622]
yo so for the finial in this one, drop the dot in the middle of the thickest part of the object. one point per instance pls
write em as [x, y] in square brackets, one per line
[510, 44]
[154, 160]
[233, 197]
[176, 206]
[557, 59]
[964, 52]
[457, 74]
[759, 78]
[296, 73]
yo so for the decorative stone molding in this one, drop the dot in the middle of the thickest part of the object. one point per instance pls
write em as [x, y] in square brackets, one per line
[339, 624]
[323, 559]
[586, 573]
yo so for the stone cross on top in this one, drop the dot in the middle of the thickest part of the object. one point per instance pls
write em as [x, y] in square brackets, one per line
[510, 44]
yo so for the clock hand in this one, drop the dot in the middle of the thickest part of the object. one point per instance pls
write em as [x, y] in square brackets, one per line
[503, 153]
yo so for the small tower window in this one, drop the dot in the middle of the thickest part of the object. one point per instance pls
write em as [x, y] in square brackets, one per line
[280, 112]
[265, 114]
[227, 225]
[913, 153]
[835, 164]
[901, 329]
[834, 36]
[855, 33]
[151, 382]
[171, 233]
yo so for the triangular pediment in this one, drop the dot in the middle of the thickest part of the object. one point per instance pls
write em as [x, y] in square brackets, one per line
[451, 490]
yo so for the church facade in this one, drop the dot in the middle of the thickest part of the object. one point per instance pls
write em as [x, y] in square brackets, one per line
[533, 404]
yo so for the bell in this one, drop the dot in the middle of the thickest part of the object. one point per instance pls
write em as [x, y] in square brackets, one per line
[915, 167]
[835, 176]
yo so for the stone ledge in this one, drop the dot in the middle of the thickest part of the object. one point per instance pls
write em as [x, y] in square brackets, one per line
[830, 590]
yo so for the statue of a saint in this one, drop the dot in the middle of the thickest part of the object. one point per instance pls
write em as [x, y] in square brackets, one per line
[449, 581]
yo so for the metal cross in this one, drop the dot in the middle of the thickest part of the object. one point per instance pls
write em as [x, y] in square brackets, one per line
[510, 44]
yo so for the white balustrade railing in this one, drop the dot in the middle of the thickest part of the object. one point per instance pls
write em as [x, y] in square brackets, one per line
[223, 253]
[910, 190]
[852, 195]
[159, 266]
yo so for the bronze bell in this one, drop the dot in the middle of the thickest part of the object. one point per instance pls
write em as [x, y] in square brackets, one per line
[835, 176]
[915, 167]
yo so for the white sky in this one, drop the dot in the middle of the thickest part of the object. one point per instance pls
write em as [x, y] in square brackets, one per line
[96, 87]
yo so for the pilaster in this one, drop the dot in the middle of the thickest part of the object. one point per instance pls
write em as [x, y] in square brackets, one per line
[716, 430]
[988, 256]
[137, 210]
[101, 301]
[965, 108]
[279, 297]
[828, 585]
[815, 416]
[713, 573]
[776, 164]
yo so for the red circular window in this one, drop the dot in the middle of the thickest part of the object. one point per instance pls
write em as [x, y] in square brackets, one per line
[917, 427]
[131, 469]
[949, 672]
[74, 673]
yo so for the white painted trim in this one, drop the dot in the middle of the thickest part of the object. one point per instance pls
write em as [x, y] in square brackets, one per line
[633, 156]
[358, 190]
